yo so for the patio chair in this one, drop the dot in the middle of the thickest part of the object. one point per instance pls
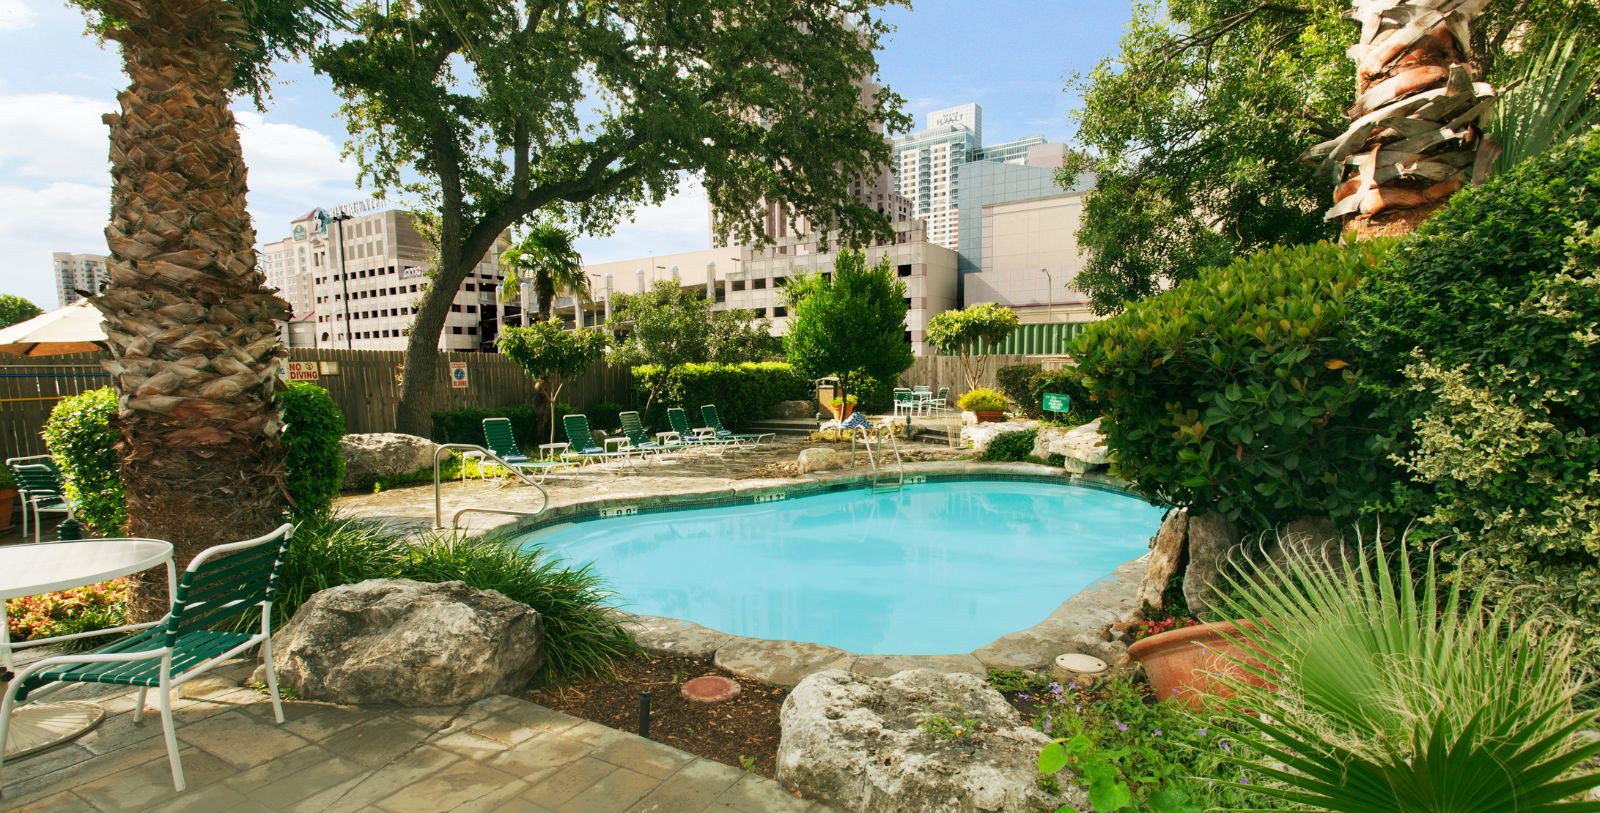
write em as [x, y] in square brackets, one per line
[498, 437]
[219, 585]
[581, 439]
[905, 402]
[633, 427]
[39, 484]
[703, 437]
[708, 413]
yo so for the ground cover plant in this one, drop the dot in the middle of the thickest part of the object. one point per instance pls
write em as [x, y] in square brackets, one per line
[68, 612]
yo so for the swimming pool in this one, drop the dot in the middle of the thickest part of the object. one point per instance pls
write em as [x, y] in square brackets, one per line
[938, 568]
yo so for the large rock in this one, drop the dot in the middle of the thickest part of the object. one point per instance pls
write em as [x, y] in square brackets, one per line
[407, 643]
[1166, 551]
[1048, 434]
[1212, 541]
[858, 743]
[1084, 447]
[795, 410]
[370, 458]
[822, 458]
[980, 434]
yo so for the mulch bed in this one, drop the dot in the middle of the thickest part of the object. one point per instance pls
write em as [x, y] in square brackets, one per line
[733, 732]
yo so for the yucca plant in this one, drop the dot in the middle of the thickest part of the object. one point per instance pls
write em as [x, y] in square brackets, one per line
[1550, 98]
[1393, 690]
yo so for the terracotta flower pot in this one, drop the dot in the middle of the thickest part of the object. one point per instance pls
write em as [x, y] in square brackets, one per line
[842, 412]
[7, 497]
[989, 415]
[1188, 663]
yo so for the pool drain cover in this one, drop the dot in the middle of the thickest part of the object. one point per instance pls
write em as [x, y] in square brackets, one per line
[709, 689]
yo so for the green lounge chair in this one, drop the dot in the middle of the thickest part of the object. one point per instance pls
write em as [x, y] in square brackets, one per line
[220, 585]
[708, 413]
[633, 427]
[581, 441]
[706, 438]
[498, 437]
[39, 483]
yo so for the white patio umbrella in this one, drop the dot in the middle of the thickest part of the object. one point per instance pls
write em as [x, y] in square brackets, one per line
[73, 329]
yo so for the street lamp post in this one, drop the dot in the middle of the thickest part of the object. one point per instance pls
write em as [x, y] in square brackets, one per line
[344, 279]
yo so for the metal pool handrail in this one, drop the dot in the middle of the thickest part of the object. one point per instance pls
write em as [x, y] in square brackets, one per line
[438, 509]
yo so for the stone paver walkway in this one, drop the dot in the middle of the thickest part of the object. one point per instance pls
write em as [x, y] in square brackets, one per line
[500, 754]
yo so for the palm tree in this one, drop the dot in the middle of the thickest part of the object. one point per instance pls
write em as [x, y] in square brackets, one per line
[547, 255]
[1414, 135]
[194, 343]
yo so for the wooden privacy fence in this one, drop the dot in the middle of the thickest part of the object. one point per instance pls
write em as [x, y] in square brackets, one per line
[945, 371]
[365, 384]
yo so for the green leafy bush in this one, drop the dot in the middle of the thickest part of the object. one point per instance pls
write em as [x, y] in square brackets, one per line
[742, 392]
[82, 442]
[1239, 391]
[466, 425]
[1485, 325]
[1010, 447]
[1016, 381]
[983, 399]
[580, 635]
[314, 461]
[605, 416]
[1067, 381]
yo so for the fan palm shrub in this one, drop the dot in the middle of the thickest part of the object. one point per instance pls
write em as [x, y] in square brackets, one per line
[1392, 691]
[1550, 98]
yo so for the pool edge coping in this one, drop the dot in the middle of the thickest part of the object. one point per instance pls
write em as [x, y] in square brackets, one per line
[1074, 626]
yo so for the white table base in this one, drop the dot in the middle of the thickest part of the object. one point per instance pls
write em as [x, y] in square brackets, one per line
[35, 728]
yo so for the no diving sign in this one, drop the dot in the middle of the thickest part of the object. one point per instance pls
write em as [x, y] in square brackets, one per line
[458, 375]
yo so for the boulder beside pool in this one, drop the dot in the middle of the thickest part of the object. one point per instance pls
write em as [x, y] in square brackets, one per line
[917, 740]
[371, 457]
[407, 643]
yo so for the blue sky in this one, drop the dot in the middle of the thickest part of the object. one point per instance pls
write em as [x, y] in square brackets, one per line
[1010, 56]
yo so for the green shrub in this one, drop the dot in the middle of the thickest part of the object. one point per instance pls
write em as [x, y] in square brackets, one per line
[580, 635]
[1016, 381]
[314, 461]
[528, 423]
[1485, 324]
[742, 392]
[1238, 391]
[1067, 381]
[82, 441]
[607, 417]
[983, 399]
[1010, 447]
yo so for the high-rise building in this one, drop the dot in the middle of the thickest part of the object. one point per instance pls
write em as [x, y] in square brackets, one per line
[927, 164]
[78, 272]
[366, 299]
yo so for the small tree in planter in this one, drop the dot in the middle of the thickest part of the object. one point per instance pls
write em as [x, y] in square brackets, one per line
[969, 332]
[552, 355]
[850, 324]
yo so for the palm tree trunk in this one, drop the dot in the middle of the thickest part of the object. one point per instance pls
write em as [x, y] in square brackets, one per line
[194, 347]
[1413, 138]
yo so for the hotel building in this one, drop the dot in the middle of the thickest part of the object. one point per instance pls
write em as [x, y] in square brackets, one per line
[78, 272]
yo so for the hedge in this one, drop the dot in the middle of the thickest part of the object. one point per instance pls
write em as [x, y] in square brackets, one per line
[314, 460]
[1016, 381]
[528, 424]
[1238, 391]
[742, 392]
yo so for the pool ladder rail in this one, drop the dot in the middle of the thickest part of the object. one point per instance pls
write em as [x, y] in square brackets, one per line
[455, 521]
[871, 436]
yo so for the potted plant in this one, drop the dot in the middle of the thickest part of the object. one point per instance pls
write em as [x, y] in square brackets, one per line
[987, 404]
[842, 409]
[1193, 662]
[8, 495]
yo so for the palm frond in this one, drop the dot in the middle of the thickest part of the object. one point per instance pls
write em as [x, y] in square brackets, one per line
[1550, 98]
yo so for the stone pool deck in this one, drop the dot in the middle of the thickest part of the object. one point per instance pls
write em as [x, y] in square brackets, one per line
[500, 754]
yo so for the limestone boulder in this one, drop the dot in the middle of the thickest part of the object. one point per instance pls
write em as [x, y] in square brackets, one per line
[822, 458]
[372, 457]
[1047, 436]
[979, 435]
[795, 410]
[1084, 447]
[1166, 552]
[1213, 539]
[861, 744]
[407, 643]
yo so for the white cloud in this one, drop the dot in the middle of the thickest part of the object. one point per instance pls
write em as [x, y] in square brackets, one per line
[35, 221]
[680, 223]
[54, 136]
[15, 15]
[290, 159]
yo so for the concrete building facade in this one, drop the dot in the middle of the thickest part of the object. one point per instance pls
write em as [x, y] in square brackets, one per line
[367, 298]
[77, 272]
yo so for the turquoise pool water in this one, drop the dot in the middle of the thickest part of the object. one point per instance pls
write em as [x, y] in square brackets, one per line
[941, 567]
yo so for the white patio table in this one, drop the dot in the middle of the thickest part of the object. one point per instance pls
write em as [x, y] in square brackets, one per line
[27, 570]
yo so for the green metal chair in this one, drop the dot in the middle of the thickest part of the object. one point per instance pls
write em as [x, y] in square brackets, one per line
[708, 413]
[705, 437]
[581, 441]
[39, 483]
[633, 427]
[498, 437]
[219, 585]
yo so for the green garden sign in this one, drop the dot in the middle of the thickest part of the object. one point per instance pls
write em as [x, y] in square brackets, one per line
[1057, 402]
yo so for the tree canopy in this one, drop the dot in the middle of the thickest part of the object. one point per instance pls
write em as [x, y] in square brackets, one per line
[669, 326]
[14, 310]
[966, 331]
[552, 354]
[489, 111]
[850, 324]
[551, 263]
[1197, 125]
